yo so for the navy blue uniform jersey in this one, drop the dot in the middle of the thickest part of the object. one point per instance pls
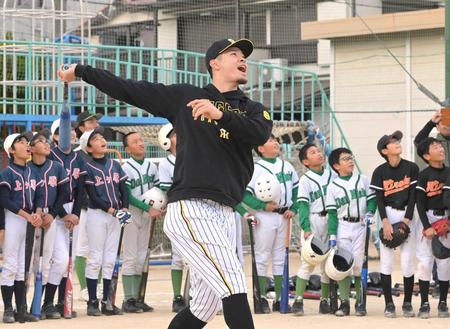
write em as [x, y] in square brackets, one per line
[105, 176]
[19, 187]
[53, 178]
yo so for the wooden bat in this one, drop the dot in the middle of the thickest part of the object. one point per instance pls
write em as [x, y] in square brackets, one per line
[257, 303]
[144, 274]
[111, 301]
[117, 154]
[284, 303]
[37, 297]
[68, 293]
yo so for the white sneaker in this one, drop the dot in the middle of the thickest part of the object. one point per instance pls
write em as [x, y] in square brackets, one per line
[84, 296]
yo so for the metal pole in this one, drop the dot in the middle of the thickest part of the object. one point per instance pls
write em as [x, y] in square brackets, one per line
[447, 49]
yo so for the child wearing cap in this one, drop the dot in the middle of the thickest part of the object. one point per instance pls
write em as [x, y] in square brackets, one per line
[394, 183]
[18, 194]
[87, 121]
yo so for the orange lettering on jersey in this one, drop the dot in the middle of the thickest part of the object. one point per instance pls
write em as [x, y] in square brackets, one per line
[390, 186]
[434, 188]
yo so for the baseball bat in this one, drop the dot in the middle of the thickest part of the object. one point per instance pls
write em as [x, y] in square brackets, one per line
[117, 154]
[37, 297]
[29, 244]
[68, 293]
[311, 295]
[257, 303]
[187, 287]
[65, 128]
[111, 301]
[364, 270]
[284, 303]
[144, 274]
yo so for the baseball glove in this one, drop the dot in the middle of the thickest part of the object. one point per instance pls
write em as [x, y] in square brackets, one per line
[442, 227]
[399, 235]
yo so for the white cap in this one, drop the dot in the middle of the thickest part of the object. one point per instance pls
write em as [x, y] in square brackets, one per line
[10, 139]
[55, 125]
[84, 139]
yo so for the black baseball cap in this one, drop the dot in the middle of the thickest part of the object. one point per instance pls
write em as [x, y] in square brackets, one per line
[218, 47]
[386, 139]
[86, 115]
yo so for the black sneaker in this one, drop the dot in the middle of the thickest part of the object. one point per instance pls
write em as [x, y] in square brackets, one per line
[129, 306]
[25, 316]
[344, 309]
[360, 310]
[92, 308]
[324, 307]
[389, 311]
[8, 315]
[49, 311]
[424, 311]
[60, 308]
[442, 310]
[114, 310]
[407, 310]
[145, 307]
[265, 305]
[297, 307]
[178, 304]
[277, 305]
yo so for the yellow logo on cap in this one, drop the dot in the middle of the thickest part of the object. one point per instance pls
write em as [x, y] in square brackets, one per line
[231, 40]
[266, 115]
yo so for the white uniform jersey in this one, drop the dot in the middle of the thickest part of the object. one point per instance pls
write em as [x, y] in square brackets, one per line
[141, 177]
[283, 171]
[166, 168]
[313, 189]
[350, 197]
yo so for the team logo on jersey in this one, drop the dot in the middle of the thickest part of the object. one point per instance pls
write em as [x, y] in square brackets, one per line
[390, 186]
[99, 181]
[434, 188]
[52, 181]
[18, 186]
[116, 177]
[76, 173]
[32, 184]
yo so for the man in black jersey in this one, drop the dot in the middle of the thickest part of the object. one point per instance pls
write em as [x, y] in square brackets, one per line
[394, 182]
[431, 208]
[217, 126]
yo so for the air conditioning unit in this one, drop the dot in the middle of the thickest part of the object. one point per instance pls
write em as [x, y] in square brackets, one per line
[275, 70]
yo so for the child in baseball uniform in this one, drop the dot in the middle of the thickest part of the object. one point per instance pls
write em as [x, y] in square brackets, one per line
[272, 218]
[394, 183]
[167, 139]
[313, 219]
[142, 176]
[432, 205]
[108, 201]
[18, 194]
[349, 200]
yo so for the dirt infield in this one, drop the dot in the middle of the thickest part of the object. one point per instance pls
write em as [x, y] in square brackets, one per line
[159, 296]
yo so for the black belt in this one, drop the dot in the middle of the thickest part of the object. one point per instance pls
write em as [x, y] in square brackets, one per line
[438, 212]
[323, 213]
[352, 219]
[401, 208]
[280, 210]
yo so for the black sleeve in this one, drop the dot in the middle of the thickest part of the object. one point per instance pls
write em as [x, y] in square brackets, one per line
[424, 133]
[421, 199]
[95, 198]
[412, 192]
[80, 197]
[124, 193]
[2, 219]
[380, 204]
[6, 202]
[253, 129]
[156, 98]
[62, 196]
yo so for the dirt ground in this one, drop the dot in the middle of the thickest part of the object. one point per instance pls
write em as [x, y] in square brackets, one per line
[159, 296]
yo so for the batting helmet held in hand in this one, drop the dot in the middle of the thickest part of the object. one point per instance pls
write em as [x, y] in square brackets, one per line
[314, 251]
[400, 232]
[267, 188]
[438, 249]
[156, 198]
[339, 264]
[163, 136]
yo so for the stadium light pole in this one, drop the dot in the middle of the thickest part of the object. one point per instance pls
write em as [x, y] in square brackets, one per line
[447, 49]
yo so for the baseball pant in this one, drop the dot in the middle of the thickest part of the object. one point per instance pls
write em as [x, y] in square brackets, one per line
[103, 232]
[270, 235]
[351, 237]
[47, 251]
[239, 249]
[320, 229]
[177, 260]
[203, 231]
[82, 240]
[135, 242]
[407, 248]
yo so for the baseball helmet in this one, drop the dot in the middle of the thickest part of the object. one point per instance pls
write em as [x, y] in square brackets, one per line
[438, 249]
[314, 251]
[267, 188]
[339, 264]
[163, 136]
[400, 232]
[155, 197]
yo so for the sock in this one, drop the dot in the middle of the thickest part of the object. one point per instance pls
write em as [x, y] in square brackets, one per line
[278, 280]
[50, 291]
[92, 288]
[386, 284]
[358, 288]
[106, 287]
[62, 290]
[80, 268]
[344, 288]
[443, 291]
[7, 294]
[424, 287]
[236, 312]
[186, 320]
[19, 294]
[408, 284]
[128, 286]
[136, 285]
[324, 290]
[300, 287]
[262, 285]
[177, 278]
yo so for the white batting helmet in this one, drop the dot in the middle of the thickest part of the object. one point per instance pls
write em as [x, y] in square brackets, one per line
[314, 250]
[156, 198]
[339, 264]
[267, 188]
[163, 136]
